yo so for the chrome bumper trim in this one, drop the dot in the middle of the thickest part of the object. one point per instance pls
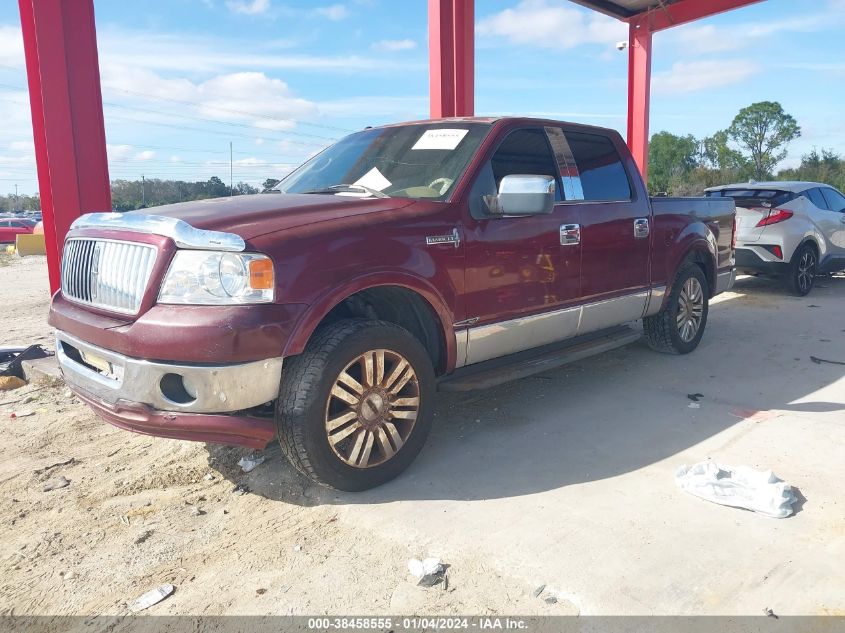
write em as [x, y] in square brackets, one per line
[218, 388]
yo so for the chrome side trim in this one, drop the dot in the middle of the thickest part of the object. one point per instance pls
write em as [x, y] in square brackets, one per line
[219, 388]
[655, 300]
[603, 314]
[185, 235]
[725, 281]
[461, 344]
[508, 337]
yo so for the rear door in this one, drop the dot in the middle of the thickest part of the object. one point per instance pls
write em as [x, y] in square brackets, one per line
[833, 224]
[615, 221]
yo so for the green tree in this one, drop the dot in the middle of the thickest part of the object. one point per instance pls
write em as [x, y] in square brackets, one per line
[671, 158]
[269, 183]
[826, 166]
[762, 131]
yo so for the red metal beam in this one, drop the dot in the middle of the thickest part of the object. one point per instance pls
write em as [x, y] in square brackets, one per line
[451, 52]
[60, 46]
[684, 11]
[639, 93]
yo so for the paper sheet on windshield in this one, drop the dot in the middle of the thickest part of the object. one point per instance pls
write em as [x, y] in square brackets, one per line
[374, 179]
[447, 139]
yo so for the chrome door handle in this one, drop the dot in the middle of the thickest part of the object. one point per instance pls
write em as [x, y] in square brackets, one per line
[641, 228]
[570, 234]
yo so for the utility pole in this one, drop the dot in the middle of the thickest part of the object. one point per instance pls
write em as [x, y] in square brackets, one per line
[143, 191]
[231, 171]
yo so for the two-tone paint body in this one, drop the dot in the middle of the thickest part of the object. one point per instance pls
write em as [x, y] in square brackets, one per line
[491, 285]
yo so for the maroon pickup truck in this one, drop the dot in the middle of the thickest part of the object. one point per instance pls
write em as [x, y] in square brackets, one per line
[446, 254]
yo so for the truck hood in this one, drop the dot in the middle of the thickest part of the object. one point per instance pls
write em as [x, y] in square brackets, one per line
[260, 214]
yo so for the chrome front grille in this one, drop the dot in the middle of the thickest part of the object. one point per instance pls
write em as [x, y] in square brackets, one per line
[108, 274]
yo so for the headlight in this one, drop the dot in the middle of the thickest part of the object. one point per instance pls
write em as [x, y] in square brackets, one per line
[209, 278]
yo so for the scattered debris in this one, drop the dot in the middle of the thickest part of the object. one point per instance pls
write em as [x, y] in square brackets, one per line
[8, 383]
[240, 489]
[770, 614]
[55, 484]
[154, 596]
[739, 487]
[297, 548]
[21, 414]
[209, 477]
[249, 462]
[143, 536]
[260, 591]
[196, 511]
[693, 405]
[695, 397]
[67, 575]
[428, 572]
[550, 600]
[536, 593]
[66, 462]
[819, 361]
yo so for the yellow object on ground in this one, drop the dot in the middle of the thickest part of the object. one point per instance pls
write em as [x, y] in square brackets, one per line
[32, 244]
[10, 250]
[7, 383]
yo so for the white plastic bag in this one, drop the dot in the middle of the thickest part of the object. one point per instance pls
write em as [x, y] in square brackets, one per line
[739, 487]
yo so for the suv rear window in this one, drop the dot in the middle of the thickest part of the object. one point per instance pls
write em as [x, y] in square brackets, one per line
[754, 197]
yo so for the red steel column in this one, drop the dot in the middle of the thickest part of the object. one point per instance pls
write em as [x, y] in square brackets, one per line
[451, 53]
[60, 45]
[639, 92]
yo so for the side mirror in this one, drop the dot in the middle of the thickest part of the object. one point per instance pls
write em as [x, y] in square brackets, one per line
[523, 194]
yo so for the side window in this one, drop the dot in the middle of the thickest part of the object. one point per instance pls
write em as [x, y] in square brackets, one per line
[835, 200]
[525, 152]
[4, 224]
[603, 176]
[816, 197]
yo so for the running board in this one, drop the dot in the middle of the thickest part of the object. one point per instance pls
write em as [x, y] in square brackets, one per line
[515, 366]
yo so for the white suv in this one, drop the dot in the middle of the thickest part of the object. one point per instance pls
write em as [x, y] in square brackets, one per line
[791, 229]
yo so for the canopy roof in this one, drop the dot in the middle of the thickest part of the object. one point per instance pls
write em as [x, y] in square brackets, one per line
[624, 9]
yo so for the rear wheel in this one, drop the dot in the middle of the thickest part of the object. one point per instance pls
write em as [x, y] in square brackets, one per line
[678, 328]
[801, 274]
[355, 407]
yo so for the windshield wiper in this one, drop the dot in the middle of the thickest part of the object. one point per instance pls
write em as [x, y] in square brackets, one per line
[373, 192]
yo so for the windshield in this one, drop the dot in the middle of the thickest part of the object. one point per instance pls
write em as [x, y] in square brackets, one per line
[405, 161]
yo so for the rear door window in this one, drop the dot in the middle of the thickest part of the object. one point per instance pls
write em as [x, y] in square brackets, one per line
[835, 200]
[603, 176]
[816, 197]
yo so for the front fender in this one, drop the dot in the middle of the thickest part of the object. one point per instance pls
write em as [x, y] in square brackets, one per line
[318, 310]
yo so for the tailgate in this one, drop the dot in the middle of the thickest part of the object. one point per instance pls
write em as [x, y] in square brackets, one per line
[746, 223]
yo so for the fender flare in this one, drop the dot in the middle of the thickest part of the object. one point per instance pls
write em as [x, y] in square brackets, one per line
[317, 311]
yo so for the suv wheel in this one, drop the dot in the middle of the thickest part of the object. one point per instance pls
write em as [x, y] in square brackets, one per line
[802, 271]
[356, 406]
[678, 328]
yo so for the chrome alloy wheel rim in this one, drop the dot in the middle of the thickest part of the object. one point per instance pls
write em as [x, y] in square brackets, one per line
[372, 408]
[690, 309]
[806, 271]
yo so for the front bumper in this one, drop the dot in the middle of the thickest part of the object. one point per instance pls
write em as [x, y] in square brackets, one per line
[186, 401]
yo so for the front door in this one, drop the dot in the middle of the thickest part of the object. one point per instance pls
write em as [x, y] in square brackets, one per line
[520, 278]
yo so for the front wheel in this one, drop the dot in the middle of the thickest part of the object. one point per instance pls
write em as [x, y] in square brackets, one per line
[678, 328]
[356, 406]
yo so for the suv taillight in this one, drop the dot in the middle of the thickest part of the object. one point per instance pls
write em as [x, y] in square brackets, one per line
[773, 216]
[733, 235]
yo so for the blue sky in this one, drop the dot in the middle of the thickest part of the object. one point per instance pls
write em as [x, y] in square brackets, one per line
[281, 79]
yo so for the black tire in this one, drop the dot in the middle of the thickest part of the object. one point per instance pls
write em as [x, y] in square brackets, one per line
[801, 274]
[304, 404]
[662, 331]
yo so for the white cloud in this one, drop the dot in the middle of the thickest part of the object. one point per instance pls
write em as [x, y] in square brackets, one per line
[11, 46]
[147, 154]
[552, 24]
[188, 54]
[246, 97]
[333, 12]
[394, 45]
[255, 7]
[686, 77]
